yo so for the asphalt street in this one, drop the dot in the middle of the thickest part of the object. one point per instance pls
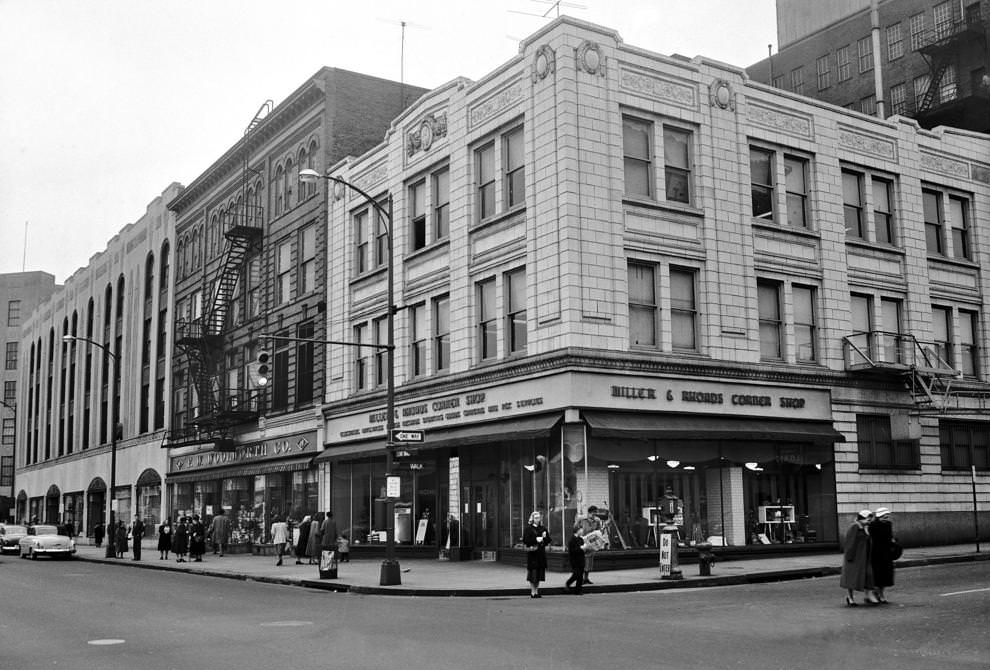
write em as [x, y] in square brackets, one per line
[88, 615]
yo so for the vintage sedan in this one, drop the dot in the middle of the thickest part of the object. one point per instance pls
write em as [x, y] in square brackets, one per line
[10, 536]
[45, 541]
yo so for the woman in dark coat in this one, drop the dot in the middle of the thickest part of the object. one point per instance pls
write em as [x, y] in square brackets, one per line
[536, 539]
[197, 539]
[302, 541]
[120, 538]
[882, 542]
[313, 541]
[180, 543]
[164, 539]
[857, 572]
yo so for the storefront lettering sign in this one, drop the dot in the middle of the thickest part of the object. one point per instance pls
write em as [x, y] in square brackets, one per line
[633, 392]
[707, 397]
[259, 451]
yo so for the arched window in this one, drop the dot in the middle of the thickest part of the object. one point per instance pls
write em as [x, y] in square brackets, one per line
[277, 190]
[291, 177]
[149, 277]
[163, 268]
[302, 161]
[313, 164]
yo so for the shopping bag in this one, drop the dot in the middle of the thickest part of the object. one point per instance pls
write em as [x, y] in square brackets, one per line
[328, 564]
[594, 541]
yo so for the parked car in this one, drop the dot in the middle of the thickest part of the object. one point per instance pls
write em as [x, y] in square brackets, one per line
[45, 541]
[10, 535]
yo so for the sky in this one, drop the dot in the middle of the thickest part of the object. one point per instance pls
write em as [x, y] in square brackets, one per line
[104, 103]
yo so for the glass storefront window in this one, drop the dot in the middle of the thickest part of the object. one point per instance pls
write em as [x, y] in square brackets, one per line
[205, 494]
[261, 531]
[150, 506]
[73, 503]
[124, 506]
[237, 501]
[182, 503]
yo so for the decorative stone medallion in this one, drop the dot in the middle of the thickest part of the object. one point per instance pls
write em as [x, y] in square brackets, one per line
[590, 58]
[431, 128]
[720, 95]
[544, 63]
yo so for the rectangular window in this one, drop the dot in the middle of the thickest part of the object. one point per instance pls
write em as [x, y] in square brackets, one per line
[515, 168]
[13, 313]
[9, 431]
[959, 222]
[10, 392]
[305, 364]
[805, 324]
[890, 326]
[283, 282]
[822, 65]
[917, 27]
[441, 333]
[942, 332]
[895, 42]
[487, 320]
[11, 363]
[942, 18]
[947, 90]
[761, 183]
[6, 471]
[441, 204]
[307, 260]
[883, 215]
[643, 307]
[381, 237]
[843, 59]
[768, 295]
[361, 242]
[931, 202]
[280, 379]
[964, 444]
[485, 168]
[361, 357]
[515, 311]
[796, 183]
[877, 448]
[852, 203]
[865, 49]
[637, 154]
[968, 353]
[797, 80]
[418, 335]
[683, 309]
[417, 215]
[861, 308]
[868, 105]
[920, 85]
[898, 99]
[255, 293]
[778, 82]
[379, 328]
[677, 164]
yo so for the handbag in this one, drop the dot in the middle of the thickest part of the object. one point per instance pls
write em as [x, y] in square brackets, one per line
[896, 550]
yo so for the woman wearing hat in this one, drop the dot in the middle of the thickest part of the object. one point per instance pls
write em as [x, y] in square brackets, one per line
[881, 554]
[857, 571]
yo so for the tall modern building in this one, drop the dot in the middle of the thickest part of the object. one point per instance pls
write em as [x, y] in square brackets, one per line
[93, 383]
[653, 285]
[924, 59]
[20, 294]
[251, 269]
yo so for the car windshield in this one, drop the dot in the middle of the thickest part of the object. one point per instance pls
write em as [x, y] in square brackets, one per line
[45, 530]
[13, 530]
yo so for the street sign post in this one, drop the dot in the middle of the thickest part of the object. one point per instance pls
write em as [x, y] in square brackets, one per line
[403, 435]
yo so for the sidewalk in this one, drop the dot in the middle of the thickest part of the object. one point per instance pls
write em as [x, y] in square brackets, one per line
[442, 578]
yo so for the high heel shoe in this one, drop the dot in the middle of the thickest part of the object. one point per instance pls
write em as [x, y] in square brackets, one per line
[850, 602]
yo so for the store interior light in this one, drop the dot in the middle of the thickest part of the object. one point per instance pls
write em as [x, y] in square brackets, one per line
[652, 459]
[818, 465]
[755, 467]
[673, 464]
[613, 466]
[689, 467]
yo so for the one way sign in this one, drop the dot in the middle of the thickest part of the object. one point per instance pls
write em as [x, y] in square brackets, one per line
[407, 436]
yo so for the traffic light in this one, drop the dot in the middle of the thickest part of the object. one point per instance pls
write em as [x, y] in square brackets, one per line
[263, 368]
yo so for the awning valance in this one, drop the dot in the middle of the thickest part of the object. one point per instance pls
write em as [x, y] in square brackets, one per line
[247, 470]
[705, 427]
[509, 430]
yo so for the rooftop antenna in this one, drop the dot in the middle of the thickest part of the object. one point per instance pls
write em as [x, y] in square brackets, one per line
[25, 256]
[402, 52]
[555, 6]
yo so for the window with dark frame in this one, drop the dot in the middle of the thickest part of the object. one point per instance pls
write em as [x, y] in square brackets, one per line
[877, 448]
[487, 320]
[11, 361]
[280, 377]
[852, 203]
[418, 339]
[843, 59]
[969, 323]
[13, 313]
[931, 202]
[515, 168]
[485, 182]
[441, 333]
[677, 164]
[361, 357]
[942, 334]
[305, 363]
[771, 324]
[379, 333]
[441, 203]
[895, 42]
[307, 259]
[959, 221]
[865, 49]
[417, 215]
[361, 244]
[883, 211]
[515, 311]
[761, 183]
[823, 65]
[643, 306]
[805, 324]
[796, 186]
[964, 444]
[683, 309]
[636, 156]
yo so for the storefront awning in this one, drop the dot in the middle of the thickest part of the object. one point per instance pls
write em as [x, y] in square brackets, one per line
[247, 470]
[705, 427]
[514, 430]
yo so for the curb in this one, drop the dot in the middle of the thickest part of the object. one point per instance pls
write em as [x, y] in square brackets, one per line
[764, 577]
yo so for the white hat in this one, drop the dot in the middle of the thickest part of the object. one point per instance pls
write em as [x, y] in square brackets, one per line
[864, 514]
[881, 512]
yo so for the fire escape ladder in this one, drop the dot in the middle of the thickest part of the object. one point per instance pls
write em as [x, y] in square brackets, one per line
[226, 283]
[938, 67]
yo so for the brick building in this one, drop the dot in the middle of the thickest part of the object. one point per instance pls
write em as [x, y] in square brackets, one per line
[20, 294]
[925, 59]
[650, 283]
[250, 282]
[95, 355]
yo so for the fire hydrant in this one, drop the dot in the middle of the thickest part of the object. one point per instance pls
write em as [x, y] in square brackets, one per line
[706, 559]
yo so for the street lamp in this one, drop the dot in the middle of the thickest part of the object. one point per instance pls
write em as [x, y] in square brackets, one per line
[110, 534]
[390, 573]
[13, 499]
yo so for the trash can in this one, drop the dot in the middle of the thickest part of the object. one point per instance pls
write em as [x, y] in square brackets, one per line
[705, 558]
[328, 564]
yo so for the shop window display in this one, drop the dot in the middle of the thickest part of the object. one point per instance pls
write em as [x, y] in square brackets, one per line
[237, 503]
[149, 499]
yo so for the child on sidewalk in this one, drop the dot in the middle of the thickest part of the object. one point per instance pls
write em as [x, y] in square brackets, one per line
[575, 552]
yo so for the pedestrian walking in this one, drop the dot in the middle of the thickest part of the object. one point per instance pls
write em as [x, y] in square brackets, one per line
[328, 533]
[164, 539]
[197, 539]
[99, 530]
[586, 524]
[344, 547]
[120, 539]
[303, 540]
[280, 535]
[313, 541]
[857, 572]
[536, 539]
[220, 531]
[884, 551]
[575, 554]
[137, 534]
[180, 543]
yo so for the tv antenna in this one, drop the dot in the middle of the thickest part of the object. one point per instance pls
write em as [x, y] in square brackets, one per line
[402, 49]
[554, 6]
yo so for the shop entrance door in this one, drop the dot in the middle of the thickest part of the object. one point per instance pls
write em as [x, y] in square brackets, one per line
[480, 493]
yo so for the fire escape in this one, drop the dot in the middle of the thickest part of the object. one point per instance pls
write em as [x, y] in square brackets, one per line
[956, 97]
[219, 409]
[935, 386]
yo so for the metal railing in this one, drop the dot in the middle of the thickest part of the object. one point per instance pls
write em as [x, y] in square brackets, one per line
[898, 351]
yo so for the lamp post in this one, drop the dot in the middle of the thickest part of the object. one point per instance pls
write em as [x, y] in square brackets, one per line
[110, 534]
[13, 499]
[390, 573]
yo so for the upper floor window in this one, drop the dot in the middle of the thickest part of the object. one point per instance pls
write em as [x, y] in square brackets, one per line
[865, 49]
[778, 82]
[852, 203]
[504, 156]
[939, 205]
[515, 168]
[361, 356]
[10, 392]
[964, 444]
[805, 324]
[898, 98]
[917, 27]
[487, 320]
[823, 66]
[644, 309]
[920, 85]
[969, 324]
[441, 333]
[942, 18]
[361, 246]
[277, 188]
[683, 310]
[883, 210]
[868, 105]
[11, 361]
[283, 282]
[777, 181]
[645, 291]
[771, 322]
[864, 192]
[843, 59]
[441, 203]
[515, 311]
[959, 222]
[638, 139]
[13, 313]
[428, 209]
[307, 259]
[379, 329]
[485, 168]
[677, 164]
[418, 339]
[895, 42]
[797, 80]
[417, 214]
[957, 347]
[637, 152]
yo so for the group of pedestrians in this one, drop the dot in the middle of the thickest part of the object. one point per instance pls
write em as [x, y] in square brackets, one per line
[313, 536]
[188, 537]
[580, 551]
[869, 554]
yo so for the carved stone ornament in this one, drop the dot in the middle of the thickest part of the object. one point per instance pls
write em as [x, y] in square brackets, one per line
[720, 95]
[432, 127]
[590, 58]
[544, 63]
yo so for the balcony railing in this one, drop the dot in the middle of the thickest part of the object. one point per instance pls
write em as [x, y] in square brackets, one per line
[880, 350]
